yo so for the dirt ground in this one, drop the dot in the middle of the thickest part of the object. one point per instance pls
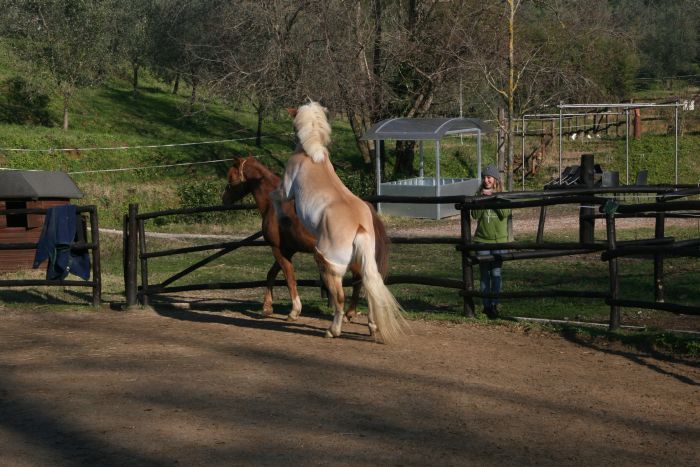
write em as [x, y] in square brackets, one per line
[199, 387]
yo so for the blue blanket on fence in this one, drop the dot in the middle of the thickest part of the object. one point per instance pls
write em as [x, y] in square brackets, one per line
[61, 227]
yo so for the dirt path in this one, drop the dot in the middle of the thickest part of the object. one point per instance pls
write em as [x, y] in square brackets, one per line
[195, 387]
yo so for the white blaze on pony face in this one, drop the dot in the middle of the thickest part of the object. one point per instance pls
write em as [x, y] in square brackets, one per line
[313, 130]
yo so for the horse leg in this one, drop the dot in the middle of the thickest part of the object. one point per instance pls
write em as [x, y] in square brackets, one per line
[284, 262]
[267, 299]
[288, 271]
[333, 278]
[356, 287]
[371, 323]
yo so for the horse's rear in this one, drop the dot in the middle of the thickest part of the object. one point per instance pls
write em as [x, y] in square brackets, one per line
[343, 225]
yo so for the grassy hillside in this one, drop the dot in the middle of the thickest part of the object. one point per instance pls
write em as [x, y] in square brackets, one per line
[111, 116]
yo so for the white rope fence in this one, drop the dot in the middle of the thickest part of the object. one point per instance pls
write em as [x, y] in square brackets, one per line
[145, 146]
[127, 169]
[148, 146]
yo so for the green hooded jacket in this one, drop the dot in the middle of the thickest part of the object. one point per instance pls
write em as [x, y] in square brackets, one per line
[492, 226]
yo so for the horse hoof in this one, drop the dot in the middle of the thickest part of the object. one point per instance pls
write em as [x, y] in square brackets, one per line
[291, 317]
[329, 334]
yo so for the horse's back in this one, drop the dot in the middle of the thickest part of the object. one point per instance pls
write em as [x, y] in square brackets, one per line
[326, 207]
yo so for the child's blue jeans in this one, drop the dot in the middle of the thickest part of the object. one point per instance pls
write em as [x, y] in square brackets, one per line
[490, 276]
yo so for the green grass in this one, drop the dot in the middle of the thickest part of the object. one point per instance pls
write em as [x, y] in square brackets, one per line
[583, 272]
[111, 115]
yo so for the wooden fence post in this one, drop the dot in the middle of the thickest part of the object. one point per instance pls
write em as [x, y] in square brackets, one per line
[613, 270]
[96, 266]
[540, 224]
[467, 274]
[586, 229]
[143, 296]
[659, 232]
[131, 253]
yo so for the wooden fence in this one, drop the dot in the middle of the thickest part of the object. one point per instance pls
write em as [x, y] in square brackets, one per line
[668, 204]
[93, 246]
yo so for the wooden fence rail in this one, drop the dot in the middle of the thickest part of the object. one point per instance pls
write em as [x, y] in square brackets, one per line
[669, 204]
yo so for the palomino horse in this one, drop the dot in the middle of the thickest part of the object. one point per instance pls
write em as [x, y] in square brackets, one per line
[340, 221]
[248, 175]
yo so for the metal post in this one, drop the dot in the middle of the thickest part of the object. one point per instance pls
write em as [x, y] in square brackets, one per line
[522, 166]
[467, 273]
[437, 176]
[676, 147]
[132, 257]
[378, 172]
[377, 166]
[561, 124]
[478, 153]
[421, 168]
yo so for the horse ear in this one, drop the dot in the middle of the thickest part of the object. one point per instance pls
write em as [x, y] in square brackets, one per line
[292, 112]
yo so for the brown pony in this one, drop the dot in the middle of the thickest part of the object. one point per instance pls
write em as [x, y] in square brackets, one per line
[340, 221]
[289, 236]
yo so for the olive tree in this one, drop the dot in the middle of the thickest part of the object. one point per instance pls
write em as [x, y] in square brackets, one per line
[70, 40]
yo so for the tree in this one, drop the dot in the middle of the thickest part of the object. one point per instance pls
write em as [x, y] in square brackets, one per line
[533, 54]
[255, 55]
[132, 41]
[669, 38]
[181, 36]
[70, 39]
[389, 58]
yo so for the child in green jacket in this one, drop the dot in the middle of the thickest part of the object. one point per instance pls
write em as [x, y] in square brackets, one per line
[492, 227]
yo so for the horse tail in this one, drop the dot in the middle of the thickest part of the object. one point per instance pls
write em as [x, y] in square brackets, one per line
[381, 243]
[313, 130]
[383, 307]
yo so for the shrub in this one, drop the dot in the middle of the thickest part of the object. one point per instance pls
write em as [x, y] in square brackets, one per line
[21, 103]
[199, 194]
[207, 193]
[359, 182]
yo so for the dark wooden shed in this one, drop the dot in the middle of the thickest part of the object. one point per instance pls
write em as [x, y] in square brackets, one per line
[23, 189]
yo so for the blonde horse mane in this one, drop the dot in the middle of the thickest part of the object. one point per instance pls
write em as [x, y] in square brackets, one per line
[313, 130]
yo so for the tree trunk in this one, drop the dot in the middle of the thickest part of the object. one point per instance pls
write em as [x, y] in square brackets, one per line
[193, 96]
[377, 61]
[176, 84]
[511, 90]
[358, 130]
[66, 99]
[637, 124]
[135, 78]
[501, 148]
[405, 155]
[258, 131]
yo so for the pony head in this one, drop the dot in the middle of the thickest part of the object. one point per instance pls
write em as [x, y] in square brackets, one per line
[312, 129]
[237, 186]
